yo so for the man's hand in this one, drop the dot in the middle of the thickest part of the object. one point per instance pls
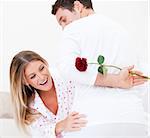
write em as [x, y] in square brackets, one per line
[126, 79]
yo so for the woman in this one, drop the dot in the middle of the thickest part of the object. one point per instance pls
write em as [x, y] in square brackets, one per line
[41, 99]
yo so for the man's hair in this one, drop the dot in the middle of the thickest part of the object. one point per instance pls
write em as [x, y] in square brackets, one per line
[69, 4]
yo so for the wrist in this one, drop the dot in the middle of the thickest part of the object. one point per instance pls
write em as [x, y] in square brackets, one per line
[122, 82]
[114, 81]
[59, 127]
[118, 81]
[108, 80]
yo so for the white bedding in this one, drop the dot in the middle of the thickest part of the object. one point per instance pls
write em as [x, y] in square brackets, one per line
[111, 130]
[110, 111]
[109, 105]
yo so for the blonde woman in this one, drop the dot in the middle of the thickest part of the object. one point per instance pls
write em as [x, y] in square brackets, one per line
[41, 99]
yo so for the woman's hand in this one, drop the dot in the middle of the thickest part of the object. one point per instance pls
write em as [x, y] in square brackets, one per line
[74, 122]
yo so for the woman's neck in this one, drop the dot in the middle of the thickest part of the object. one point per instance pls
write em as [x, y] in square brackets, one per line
[49, 99]
[47, 94]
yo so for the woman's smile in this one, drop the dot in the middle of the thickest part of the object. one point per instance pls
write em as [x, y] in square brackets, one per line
[38, 76]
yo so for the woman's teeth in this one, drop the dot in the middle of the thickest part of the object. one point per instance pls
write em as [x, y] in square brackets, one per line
[44, 82]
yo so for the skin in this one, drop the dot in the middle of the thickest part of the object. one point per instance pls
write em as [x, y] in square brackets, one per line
[122, 80]
[38, 76]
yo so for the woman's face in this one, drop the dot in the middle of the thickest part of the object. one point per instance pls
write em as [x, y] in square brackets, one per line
[38, 76]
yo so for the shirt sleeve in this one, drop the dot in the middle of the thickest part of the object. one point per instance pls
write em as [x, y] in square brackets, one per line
[42, 128]
[70, 49]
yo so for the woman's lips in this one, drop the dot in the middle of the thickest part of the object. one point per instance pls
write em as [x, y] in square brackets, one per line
[44, 82]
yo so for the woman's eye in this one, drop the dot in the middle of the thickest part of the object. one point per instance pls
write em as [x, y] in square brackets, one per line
[41, 68]
[32, 77]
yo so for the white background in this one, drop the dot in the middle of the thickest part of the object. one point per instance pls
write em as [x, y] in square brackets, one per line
[29, 25]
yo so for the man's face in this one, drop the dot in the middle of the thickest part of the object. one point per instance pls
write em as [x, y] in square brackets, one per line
[64, 16]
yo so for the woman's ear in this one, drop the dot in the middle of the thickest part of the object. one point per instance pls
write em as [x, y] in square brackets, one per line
[78, 6]
[25, 81]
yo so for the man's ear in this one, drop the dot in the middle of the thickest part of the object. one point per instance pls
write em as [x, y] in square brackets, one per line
[78, 6]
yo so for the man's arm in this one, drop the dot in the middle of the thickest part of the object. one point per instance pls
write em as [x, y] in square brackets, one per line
[122, 80]
[70, 50]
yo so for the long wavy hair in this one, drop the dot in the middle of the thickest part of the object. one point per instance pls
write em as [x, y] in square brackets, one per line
[21, 93]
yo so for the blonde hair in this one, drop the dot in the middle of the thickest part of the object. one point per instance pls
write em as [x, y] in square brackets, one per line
[22, 94]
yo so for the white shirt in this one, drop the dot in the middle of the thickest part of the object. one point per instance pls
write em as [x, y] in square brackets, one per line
[89, 37]
[44, 127]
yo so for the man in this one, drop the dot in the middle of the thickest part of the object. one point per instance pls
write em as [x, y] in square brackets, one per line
[86, 34]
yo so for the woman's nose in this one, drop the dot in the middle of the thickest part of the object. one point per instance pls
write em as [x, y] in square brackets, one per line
[40, 76]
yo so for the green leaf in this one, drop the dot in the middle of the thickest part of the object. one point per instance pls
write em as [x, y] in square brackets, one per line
[100, 59]
[100, 69]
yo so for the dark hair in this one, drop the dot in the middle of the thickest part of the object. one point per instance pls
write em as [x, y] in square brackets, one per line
[69, 4]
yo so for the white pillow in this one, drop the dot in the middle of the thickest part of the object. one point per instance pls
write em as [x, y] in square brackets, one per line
[5, 105]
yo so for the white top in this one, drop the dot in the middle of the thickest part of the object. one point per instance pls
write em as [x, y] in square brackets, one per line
[89, 37]
[44, 127]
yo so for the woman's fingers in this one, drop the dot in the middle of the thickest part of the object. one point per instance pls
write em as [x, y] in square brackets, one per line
[75, 129]
[79, 125]
[75, 121]
[80, 121]
[74, 113]
[77, 116]
[76, 126]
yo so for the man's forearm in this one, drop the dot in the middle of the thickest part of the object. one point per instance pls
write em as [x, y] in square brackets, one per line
[108, 80]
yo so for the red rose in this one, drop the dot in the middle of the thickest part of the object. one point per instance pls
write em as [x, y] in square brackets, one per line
[81, 64]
